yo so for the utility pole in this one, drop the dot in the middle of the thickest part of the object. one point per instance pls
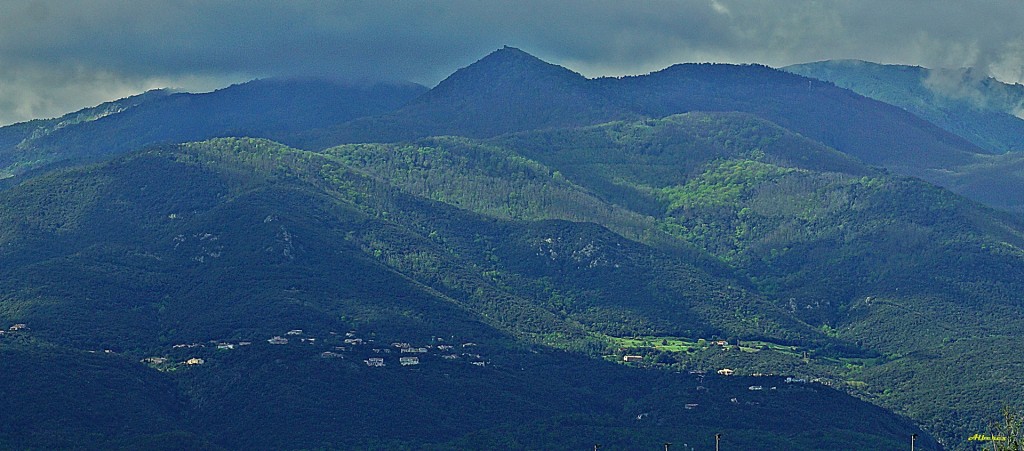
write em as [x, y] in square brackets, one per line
[596, 446]
[667, 444]
[718, 438]
[913, 438]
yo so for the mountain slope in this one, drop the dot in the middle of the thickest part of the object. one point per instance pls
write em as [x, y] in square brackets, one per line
[981, 110]
[201, 253]
[512, 91]
[507, 91]
[906, 278]
[871, 131]
[57, 398]
[688, 242]
[260, 108]
[15, 138]
[897, 266]
[994, 180]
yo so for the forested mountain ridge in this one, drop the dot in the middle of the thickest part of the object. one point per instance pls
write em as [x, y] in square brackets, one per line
[556, 225]
[220, 246]
[509, 91]
[537, 94]
[19, 136]
[222, 212]
[841, 246]
[506, 91]
[259, 108]
[871, 131]
[533, 94]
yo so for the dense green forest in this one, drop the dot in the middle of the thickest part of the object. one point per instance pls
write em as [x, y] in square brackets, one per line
[262, 239]
[881, 264]
[499, 270]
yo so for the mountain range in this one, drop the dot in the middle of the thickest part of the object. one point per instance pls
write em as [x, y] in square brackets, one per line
[537, 259]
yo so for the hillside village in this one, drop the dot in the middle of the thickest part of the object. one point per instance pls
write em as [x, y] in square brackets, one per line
[367, 352]
[349, 346]
[750, 391]
[361, 348]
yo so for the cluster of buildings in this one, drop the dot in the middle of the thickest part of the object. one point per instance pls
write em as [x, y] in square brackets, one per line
[340, 347]
[411, 354]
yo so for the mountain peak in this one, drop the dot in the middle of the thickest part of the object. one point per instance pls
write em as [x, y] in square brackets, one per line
[512, 53]
[510, 64]
[507, 91]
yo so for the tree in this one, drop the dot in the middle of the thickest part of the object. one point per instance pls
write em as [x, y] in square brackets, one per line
[1008, 435]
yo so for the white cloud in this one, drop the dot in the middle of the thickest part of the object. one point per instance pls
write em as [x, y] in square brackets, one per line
[720, 8]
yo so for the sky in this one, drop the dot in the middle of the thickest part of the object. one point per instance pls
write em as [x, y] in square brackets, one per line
[59, 56]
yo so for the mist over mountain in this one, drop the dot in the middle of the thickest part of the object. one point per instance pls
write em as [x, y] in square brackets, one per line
[980, 109]
[518, 258]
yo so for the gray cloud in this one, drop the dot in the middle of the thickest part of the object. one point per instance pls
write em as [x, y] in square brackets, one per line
[30, 91]
[56, 56]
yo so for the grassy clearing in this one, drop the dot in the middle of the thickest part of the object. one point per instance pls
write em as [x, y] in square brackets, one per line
[669, 344]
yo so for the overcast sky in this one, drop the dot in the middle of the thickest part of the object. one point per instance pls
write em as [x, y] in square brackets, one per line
[59, 56]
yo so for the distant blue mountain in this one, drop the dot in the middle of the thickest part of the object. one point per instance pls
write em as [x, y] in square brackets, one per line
[978, 108]
[511, 91]
[260, 108]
